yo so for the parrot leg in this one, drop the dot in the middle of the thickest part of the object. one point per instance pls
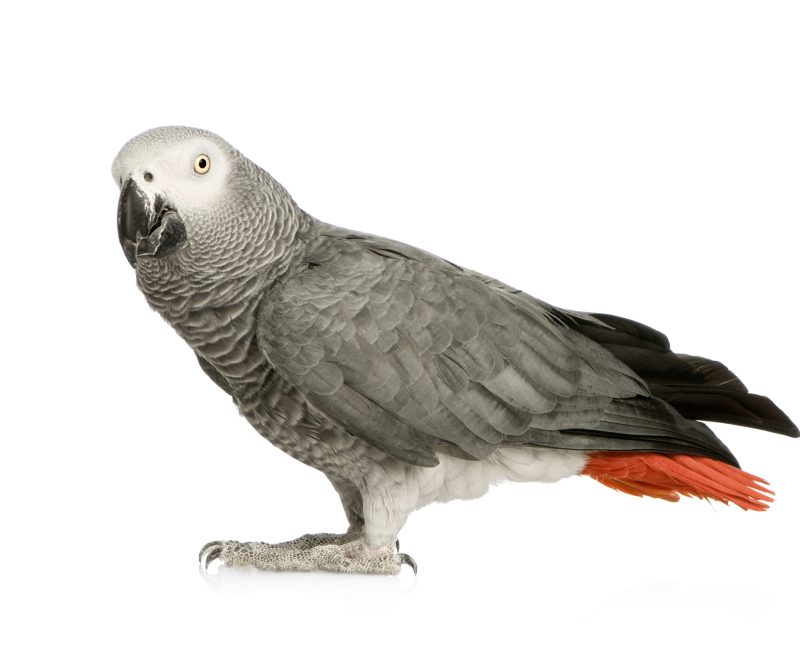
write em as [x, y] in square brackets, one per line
[213, 550]
[369, 546]
[346, 553]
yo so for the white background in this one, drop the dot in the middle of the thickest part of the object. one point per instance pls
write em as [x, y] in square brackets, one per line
[634, 158]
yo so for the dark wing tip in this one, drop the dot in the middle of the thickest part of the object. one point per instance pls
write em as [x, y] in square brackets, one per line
[699, 388]
[730, 407]
[638, 331]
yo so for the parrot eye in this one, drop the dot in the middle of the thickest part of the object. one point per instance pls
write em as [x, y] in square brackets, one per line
[202, 164]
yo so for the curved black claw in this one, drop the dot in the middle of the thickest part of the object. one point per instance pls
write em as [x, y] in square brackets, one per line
[397, 545]
[405, 558]
[209, 553]
[218, 542]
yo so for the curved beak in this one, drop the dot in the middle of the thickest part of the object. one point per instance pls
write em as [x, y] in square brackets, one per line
[145, 229]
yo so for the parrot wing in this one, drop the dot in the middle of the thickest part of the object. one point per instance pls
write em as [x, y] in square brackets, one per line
[416, 356]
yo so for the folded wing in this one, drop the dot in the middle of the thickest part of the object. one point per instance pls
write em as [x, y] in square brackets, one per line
[419, 357]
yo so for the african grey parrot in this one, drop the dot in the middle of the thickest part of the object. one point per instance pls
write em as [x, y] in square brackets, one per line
[404, 378]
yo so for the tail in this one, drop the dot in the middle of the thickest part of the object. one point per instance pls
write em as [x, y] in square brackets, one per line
[668, 476]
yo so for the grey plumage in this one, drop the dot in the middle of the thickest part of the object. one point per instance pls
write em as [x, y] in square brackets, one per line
[370, 360]
[414, 354]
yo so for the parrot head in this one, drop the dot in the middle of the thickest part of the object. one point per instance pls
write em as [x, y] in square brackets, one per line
[192, 203]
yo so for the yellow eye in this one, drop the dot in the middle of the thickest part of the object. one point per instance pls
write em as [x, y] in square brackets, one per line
[202, 164]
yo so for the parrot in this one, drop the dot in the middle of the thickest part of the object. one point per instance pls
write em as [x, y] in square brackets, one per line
[403, 377]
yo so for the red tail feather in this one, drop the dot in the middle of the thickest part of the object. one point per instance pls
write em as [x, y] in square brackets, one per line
[667, 476]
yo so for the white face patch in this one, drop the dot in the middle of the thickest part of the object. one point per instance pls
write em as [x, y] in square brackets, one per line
[169, 170]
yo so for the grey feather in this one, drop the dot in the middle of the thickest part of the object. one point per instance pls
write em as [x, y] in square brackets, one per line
[497, 366]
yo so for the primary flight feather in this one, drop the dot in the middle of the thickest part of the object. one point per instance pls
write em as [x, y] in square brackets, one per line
[402, 377]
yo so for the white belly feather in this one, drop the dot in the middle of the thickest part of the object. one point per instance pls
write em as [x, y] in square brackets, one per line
[395, 491]
[455, 478]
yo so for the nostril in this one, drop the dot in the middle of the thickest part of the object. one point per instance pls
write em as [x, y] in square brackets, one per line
[148, 177]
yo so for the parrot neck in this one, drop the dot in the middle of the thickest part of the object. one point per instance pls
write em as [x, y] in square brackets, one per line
[217, 316]
[178, 287]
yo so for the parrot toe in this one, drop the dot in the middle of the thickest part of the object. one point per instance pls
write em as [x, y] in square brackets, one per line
[320, 552]
[209, 553]
[405, 558]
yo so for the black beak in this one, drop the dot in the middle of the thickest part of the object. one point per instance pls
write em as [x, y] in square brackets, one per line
[146, 230]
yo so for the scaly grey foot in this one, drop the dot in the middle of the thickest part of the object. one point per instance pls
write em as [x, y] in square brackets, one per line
[334, 553]
[213, 550]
